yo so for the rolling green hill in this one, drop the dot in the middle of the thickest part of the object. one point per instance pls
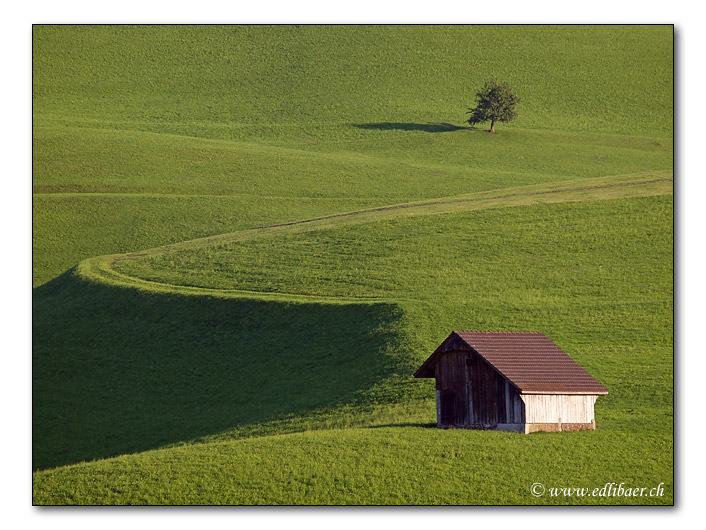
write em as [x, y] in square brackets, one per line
[246, 238]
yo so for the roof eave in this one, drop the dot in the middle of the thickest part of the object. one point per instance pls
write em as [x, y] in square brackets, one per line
[564, 392]
[425, 370]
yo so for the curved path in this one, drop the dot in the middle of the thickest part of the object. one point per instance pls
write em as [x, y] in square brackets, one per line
[619, 186]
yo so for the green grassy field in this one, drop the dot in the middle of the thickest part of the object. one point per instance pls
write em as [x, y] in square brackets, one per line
[247, 238]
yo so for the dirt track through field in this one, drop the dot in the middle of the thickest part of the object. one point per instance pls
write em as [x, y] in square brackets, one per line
[461, 200]
[646, 184]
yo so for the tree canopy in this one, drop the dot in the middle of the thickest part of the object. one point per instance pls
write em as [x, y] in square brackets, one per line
[495, 102]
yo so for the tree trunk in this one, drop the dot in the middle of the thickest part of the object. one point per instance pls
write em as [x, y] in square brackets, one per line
[492, 126]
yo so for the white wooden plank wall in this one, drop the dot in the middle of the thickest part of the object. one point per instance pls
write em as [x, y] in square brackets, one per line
[551, 408]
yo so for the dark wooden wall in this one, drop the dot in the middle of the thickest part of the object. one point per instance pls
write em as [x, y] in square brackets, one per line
[453, 391]
[472, 393]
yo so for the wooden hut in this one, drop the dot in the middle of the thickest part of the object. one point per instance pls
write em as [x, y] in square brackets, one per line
[510, 381]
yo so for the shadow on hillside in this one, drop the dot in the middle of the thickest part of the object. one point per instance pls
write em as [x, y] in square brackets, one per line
[425, 127]
[425, 425]
[118, 370]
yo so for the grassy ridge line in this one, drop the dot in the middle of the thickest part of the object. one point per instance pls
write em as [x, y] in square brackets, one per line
[99, 269]
[643, 184]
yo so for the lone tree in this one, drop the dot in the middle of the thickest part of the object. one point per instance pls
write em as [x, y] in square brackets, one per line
[496, 102]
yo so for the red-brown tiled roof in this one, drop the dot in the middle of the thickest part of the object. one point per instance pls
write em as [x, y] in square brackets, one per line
[528, 360]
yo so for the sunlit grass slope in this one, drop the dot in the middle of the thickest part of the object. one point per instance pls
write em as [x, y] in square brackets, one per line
[69, 227]
[446, 256]
[246, 81]
[271, 115]
[387, 465]
[415, 164]
[589, 274]
[328, 220]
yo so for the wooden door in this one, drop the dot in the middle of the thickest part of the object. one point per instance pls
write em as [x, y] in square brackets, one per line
[448, 406]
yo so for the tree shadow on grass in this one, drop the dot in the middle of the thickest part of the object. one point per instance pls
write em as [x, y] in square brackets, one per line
[425, 127]
[119, 370]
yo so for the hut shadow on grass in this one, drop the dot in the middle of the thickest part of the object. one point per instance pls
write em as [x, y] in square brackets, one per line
[118, 370]
[425, 127]
[425, 425]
